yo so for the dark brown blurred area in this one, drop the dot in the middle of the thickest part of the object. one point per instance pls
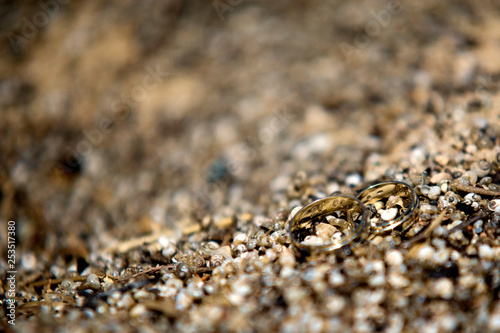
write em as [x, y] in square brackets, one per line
[123, 118]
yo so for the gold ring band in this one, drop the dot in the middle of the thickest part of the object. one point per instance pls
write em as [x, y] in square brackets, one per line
[391, 197]
[346, 213]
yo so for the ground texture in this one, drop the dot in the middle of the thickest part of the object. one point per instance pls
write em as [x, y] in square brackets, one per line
[152, 152]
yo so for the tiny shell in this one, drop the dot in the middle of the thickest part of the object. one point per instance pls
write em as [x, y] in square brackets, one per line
[494, 205]
[482, 168]
[472, 176]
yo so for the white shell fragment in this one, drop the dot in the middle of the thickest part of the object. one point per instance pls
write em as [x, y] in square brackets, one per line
[313, 240]
[388, 214]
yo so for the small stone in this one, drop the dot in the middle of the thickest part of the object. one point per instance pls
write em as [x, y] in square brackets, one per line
[377, 280]
[471, 148]
[93, 281]
[439, 231]
[240, 238]
[138, 311]
[397, 280]
[486, 252]
[325, 231]
[169, 249]
[442, 256]
[126, 302]
[394, 201]
[353, 180]
[336, 278]
[225, 223]
[378, 205]
[418, 155]
[313, 241]
[454, 255]
[271, 255]
[335, 305]
[440, 177]
[445, 187]
[388, 214]
[426, 253]
[444, 288]
[448, 323]
[434, 192]
[287, 259]
[183, 301]
[494, 322]
[428, 209]
[441, 160]
[394, 258]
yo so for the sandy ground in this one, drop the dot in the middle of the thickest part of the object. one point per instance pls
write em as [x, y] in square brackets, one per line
[124, 124]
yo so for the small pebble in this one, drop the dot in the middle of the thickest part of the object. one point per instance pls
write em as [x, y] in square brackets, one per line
[388, 214]
[353, 180]
[325, 231]
[394, 258]
[434, 192]
[428, 209]
[442, 256]
[313, 241]
[397, 280]
[138, 311]
[441, 159]
[336, 279]
[440, 176]
[494, 322]
[443, 288]
[426, 253]
[240, 238]
[287, 259]
[486, 252]
[335, 305]
[377, 280]
[93, 281]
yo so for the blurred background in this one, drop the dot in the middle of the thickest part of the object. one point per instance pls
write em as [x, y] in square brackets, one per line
[125, 118]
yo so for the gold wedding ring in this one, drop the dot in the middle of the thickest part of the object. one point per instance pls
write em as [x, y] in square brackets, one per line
[341, 215]
[391, 197]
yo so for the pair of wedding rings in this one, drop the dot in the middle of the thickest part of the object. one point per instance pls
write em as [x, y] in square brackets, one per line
[352, 220]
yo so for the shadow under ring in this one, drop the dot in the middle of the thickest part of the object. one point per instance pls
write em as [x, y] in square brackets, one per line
[384, 190]
[355, 223]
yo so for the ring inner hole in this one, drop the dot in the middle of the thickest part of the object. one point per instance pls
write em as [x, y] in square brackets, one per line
[397, 199]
